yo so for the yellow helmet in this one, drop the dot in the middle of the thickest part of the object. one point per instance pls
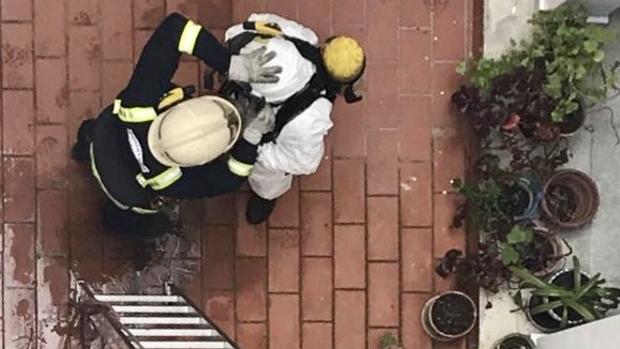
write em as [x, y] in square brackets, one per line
[344, 58]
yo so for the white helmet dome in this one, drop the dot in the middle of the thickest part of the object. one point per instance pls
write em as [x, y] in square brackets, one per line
[194, 132]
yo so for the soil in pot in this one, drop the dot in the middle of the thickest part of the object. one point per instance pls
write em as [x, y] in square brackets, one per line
[515, 343]
[571, 199]
[540, 255]
[562, 202]
[453, 314]
[572, 122]
[514, 200]
[543, 320]
[566, 279]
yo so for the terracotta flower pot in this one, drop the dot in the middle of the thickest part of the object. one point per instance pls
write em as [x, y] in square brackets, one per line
[449, 316]
[571, 199]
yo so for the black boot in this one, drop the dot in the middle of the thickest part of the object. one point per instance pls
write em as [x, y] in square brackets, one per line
[259, 209]
[80, 151]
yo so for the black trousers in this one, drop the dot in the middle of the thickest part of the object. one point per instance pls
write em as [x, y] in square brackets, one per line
[135, 225]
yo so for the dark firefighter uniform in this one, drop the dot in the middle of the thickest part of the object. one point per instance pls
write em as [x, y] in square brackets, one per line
[116, 143]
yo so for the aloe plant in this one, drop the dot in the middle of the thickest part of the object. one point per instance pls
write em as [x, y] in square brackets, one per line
[591, 300]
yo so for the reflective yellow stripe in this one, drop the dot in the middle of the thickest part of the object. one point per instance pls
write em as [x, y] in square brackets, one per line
[189, 36]
[93, 167]
[135, 114]
[239, 168]
[173, 96]
[162, 180]
[267, 28]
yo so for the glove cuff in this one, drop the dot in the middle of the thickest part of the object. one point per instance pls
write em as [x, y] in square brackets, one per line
[237, 70]
[252, 135]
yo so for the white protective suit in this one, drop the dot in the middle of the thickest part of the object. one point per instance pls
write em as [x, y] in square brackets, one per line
[299, 148]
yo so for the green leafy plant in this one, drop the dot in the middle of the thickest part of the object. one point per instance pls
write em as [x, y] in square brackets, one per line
[571, 51]
[515, 241]
[388, 341]
[590, 300]
[482, 198]
[566, 49]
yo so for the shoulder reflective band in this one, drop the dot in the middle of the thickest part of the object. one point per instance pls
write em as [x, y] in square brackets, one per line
[135, 114]
[162, 180]
[188, 37]
[239, 168]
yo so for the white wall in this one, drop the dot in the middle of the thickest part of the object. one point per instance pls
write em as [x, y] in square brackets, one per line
[601, 334]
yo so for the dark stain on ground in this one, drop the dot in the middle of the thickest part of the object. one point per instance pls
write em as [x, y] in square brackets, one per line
[218, 308]
[82, 18]
[23, 309]
[22, 256]
[62, 98]
[15, 56]
[154, 16]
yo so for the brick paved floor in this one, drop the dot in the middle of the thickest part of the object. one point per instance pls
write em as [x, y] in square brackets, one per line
[349, 253]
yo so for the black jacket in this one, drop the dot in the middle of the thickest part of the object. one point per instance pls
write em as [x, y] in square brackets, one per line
[151, 79]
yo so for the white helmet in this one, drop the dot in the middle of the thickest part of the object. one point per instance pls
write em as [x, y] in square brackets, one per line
[296, 70]
[194, 132]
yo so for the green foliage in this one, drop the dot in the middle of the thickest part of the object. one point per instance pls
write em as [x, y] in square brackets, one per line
[572, 52]
[590, 300]
[482, 198]
[388, 341]
[515, 241]
[567, 48]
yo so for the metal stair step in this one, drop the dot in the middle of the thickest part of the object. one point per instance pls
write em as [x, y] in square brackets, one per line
[138, 298]
[154, 309]
[182, 345]
[132, 320]
[173, 332]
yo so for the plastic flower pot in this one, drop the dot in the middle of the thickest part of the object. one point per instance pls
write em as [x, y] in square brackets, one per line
[522, 199]
[551, 321]
[566, 278]
[572, 123]
[514, 341]
[571, 199]
[449, 316]
[543, 321]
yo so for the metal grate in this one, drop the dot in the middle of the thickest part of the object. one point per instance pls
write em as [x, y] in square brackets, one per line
[161, 321]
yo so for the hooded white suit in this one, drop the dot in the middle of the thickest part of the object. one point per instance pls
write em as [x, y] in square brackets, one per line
[299, 147]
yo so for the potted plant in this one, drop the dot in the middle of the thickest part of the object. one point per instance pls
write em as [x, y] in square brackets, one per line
[514, 341]
[534, 248]
[449, 316]
[485, 267]
[513, 197]
[542, 85]
[571, 199]
[571, 297]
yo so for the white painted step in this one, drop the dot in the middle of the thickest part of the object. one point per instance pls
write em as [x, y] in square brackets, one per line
[162, 320]
[183, 345]
[173, 332]
[154, 309]
[118, 298]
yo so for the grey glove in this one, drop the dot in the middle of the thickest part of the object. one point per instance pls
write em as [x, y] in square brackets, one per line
[250, 67]
[264, 122]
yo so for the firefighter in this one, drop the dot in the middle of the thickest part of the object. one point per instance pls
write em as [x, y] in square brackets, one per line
[156, 144]
[312, 77]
